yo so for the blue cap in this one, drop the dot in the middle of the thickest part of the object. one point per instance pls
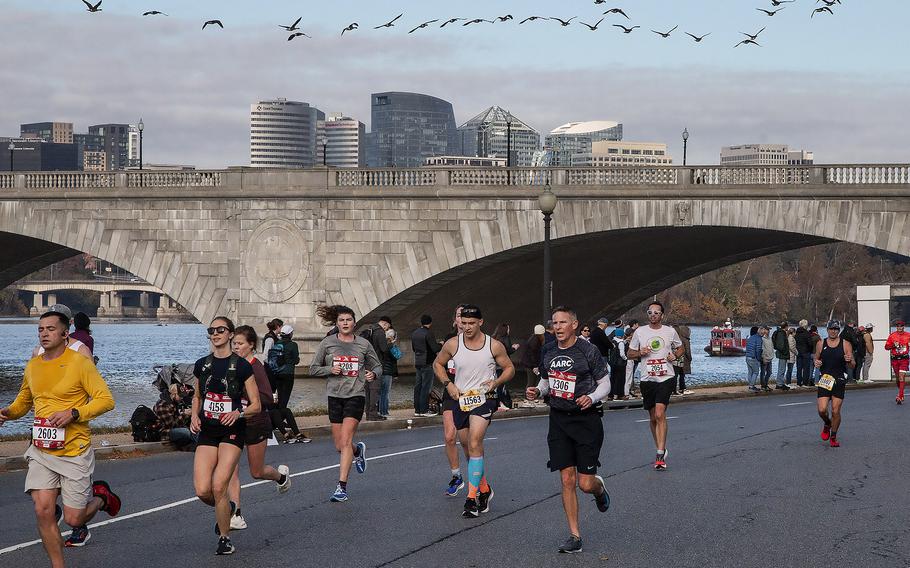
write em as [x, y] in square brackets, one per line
[619, 332]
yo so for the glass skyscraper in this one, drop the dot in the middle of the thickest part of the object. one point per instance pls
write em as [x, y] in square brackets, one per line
[576, 138]
[406, 128]
[487, 135]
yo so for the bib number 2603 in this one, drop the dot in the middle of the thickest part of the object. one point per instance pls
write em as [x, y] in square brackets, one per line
[46, 436]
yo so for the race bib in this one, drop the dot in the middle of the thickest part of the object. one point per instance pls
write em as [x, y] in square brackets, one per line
[350, 365]
[46, 436]
[471, 400]
[450, 366]
[826, 382]
[562, 384]
[656, 367]
[215, 405]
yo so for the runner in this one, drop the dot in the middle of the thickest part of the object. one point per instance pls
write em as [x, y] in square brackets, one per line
[658, 346]
[66, 392]
[899, 345]
[348, 361]
[832, 358]
[258, 429]
[450, 434]
[574, 381]
[222, 380]
[71, 341]
[472, 397]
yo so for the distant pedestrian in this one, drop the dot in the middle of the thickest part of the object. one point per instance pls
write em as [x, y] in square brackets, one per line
[585, 333]
[804, 349]
[870, 347]
[683, 364]
[83, 332]
[791, 360]
[529, 358]
[631, 362]
[503, 334]
[283, 358]
[859, 354]
[549, 336]
[753, 357]
[600, 340]
[618, 361]
[849, 334]
[767, 356]
[815, 338]
[375, 334]
[271, 336]
[425, 348]
[782, 352]
[389, 366]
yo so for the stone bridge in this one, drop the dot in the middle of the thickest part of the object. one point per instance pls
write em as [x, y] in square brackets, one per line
[111, 290]
[257, 244]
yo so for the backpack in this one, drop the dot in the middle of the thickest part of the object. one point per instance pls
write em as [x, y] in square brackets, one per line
[276, 359]
[144, 424]
[613, 357]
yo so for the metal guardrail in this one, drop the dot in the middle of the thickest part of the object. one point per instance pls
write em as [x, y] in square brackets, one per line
[680, 176]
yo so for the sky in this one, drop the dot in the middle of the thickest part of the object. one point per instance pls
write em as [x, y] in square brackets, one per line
[833, 84]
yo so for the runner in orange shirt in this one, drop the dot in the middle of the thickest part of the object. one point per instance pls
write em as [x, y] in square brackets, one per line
[899, 345]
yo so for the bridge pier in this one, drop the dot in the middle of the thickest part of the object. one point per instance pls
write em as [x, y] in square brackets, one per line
[37, 305]
[167, 308]
[111, 305]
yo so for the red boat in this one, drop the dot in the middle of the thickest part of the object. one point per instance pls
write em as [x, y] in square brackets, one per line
[726, 341]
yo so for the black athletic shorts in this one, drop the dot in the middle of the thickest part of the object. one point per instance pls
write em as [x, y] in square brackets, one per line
[214, 436]
[485, 410]
[653, 393]
[840, 387]
[258, 431]
[575, 440]
[341, 408]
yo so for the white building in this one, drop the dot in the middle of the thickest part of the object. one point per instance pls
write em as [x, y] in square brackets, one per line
[764, 155]
[132, 145]
[610, 153]
[345, 142]
[576, 138]
[466, 161]
[284, 134]
[494, 132]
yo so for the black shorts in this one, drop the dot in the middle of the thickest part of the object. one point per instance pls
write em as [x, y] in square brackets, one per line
[653, 393]
[840, 387]
[214, 436]
[462, 418]
[341, 408]
[575, 440]
[258, 431]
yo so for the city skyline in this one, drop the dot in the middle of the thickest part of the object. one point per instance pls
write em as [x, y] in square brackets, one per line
[808, 86]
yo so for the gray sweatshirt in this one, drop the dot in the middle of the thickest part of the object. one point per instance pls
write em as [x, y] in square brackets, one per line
[355, 358]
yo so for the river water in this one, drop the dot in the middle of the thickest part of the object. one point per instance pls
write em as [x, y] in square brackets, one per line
[128, 352]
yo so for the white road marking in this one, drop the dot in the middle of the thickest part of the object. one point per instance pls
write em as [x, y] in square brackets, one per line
[648, 419]
[795, 403]
[194, 499]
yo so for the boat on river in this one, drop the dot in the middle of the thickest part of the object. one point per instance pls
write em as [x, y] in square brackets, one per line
[726, 341]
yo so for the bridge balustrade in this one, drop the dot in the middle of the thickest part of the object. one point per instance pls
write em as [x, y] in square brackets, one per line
[392, 177]
[867, 174]
[189, 178]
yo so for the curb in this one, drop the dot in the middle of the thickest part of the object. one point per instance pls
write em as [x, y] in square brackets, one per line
[142, 449]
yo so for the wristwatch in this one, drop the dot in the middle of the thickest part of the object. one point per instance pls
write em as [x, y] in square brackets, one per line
[75, 415]
[241, 413]
[446, 384]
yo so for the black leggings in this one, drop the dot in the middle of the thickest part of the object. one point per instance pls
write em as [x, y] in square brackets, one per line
[283, 418]
[680, 379]
[285, 384]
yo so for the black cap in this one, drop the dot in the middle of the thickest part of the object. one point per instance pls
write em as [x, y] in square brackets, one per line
[471, 311]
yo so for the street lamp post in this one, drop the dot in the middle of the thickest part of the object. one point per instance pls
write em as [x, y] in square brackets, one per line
[11, 148]
[509, 143]
[547, 203]
[685, 136]
[141, 128]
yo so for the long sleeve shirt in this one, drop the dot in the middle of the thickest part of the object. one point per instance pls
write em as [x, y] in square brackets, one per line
[355, 358]
[67, 382]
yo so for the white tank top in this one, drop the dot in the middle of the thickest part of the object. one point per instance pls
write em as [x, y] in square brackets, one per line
[473, 368]
[74, 344]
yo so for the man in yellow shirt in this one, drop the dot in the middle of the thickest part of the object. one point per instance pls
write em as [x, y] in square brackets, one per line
[65, 391]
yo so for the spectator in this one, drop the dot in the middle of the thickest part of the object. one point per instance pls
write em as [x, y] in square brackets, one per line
[599, 338]
[389, 367]
[549, 336]
[682, 366]
[82, 333]
[782, 352]
[586, 333]
[425, 348]
[850, 334]
[529, 358]
[375, 334]
[503, 334]
[869, 348]
[791, 359]
[631, 364]
[815, 338]
[283, 358]
[617, 360]
[753, 357]
[805, 347]
[270, 337]
[767, 356]
[174, 410]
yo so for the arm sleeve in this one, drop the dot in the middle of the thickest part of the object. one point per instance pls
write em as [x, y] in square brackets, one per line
[602, 390]
[543, 385]
[317, 367]
[101, 398]
[24, 399]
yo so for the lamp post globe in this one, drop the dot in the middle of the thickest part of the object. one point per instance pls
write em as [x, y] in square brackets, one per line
[141, 127]
[685, 137]
[547, 203]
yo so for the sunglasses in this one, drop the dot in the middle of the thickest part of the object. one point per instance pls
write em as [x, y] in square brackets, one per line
[219, 330]
[651, 313]
[586, 330]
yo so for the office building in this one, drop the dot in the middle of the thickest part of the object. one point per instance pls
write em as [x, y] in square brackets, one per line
[59, 132]
[90, 154]
[345, 142]
[763, 155]
[610, 153]
[36, 155]
[285, 134]
[577, 137]
[466, 161]
[132, 146]
[407, 128]
[488, 135]
[116, 144]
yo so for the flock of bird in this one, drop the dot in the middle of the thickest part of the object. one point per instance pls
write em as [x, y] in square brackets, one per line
[751, 39]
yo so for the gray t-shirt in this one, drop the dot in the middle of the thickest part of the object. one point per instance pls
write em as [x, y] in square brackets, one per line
[355, 357]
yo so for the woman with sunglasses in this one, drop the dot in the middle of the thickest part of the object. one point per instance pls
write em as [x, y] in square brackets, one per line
[348, 361]
[586, 333]
[222, 379]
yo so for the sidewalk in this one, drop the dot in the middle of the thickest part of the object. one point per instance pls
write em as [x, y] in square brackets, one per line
[120, 445]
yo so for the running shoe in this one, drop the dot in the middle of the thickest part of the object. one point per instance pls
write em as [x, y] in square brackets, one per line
[78, 537]
[470, 508]
[455, 486]
[429, 414]
[602, 500]
[238, 523]
[754, 389]
[483, 500]
[340, 494]
[286, 472]
[834, 442]
[303, 438]
[826, 432]
[660, 463]
[899, 400]
[112, 502]
[225, 546]
[360, 461]
[571, 546]
[687, 391]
